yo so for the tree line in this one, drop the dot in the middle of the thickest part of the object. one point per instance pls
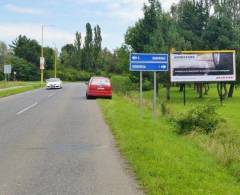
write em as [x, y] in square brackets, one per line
[85, 55]
[189, 25]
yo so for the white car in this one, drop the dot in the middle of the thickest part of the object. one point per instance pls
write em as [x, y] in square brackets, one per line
[53, 83]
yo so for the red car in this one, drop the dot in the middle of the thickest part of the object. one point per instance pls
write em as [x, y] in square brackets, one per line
[99, 87]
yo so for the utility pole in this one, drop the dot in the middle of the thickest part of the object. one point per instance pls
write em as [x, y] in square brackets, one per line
[55, 67]
[55, 60]
[42, 58]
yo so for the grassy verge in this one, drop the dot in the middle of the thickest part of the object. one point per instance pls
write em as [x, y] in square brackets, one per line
[164, 162]
[224, 143]
[11, 90]
[4, 84]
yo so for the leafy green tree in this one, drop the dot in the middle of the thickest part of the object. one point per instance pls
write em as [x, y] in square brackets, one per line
[108, 60]
[27, 49]
[191, 17]
[25, 70]
[97, 47]
[219, 33]
[122, 59]
[78, 50]
[49, 55]
[3, 52]
[67, 56]
[88, 48]
[138, 36]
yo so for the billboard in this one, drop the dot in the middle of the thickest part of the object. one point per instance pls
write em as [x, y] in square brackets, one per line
[203, 66]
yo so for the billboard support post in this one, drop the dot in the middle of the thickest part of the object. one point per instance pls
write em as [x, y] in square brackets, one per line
[184, 94]
[221, 94]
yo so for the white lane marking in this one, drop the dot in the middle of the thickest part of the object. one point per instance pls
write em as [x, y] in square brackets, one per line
[51, 95]
[27, 108]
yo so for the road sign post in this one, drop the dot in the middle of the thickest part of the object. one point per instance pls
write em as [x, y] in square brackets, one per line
[141, 93]
[7, 71]
[149, 63]
[155, 93]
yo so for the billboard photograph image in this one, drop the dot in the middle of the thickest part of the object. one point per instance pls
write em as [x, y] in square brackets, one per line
[207, 66]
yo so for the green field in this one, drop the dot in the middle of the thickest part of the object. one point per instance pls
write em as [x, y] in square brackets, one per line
[165, 162]
[11, 88]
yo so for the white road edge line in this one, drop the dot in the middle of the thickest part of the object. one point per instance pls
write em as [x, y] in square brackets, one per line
[27, 108]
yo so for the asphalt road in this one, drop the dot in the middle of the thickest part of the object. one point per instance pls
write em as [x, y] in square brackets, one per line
[55, 142]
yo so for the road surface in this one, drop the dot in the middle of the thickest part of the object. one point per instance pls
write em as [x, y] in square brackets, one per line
[55, 142]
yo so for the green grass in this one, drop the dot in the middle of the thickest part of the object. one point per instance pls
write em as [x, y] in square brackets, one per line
[230, 110]
[163, 161]
[12, 88]
[4, 84]
[224, 144]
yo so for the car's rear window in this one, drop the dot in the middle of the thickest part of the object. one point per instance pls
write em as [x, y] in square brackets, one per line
[100, 81]
[53, 80]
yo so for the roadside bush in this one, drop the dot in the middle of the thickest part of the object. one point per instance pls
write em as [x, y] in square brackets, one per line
[165, 110]
[202, 118]
[147, 85]
[84, 76]
[73, 75]
[122, 84]
[24, 69]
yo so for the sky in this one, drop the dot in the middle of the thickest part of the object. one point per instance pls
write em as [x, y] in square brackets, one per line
[62, 18]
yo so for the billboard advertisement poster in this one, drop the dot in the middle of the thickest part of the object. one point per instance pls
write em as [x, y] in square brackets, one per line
[42, 63]
[208, 66]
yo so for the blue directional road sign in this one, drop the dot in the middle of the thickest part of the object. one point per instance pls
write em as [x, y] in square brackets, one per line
[148, 62]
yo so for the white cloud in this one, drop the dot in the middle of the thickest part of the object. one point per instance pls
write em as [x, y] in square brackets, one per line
[127, 11]
[23, 10]
[10, 31]
[166, 5]
[112, 15]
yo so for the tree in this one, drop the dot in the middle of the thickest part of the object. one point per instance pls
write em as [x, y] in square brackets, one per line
[25, 70]
[49, 55]
[3, 52]
[108, 60]
[122, 59]
[97, 47]
[191, 17]
[88, 48]
[138, 36]
[27, 49]
[219, 33]
[67, 55]
[78, 50]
